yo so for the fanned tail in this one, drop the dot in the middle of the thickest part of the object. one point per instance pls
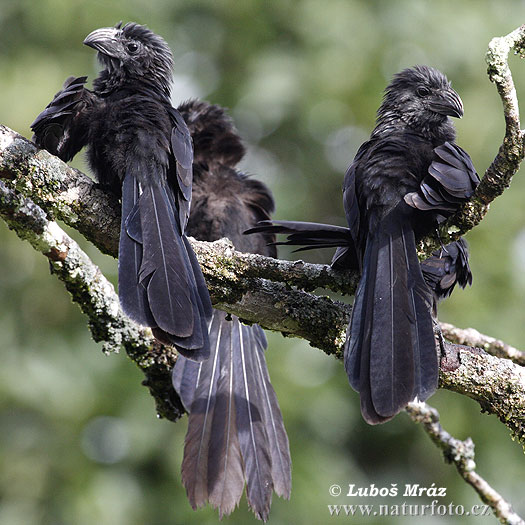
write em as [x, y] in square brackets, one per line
[235, 435]
[159, 282]
[390, 355]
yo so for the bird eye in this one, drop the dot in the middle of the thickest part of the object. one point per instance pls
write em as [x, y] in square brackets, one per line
[132, 47]
[422, 91]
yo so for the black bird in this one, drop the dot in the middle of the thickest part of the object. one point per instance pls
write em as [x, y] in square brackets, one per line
[236, 434]
[139, 147]
[406, 179]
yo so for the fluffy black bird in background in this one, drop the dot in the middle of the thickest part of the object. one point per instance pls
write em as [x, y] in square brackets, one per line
[406, 179]
[140, 147]
[236, 434]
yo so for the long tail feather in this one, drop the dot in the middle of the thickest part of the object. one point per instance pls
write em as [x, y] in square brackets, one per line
[277, 437]
[160, 284]
[225, 468]
[200, 423]
[235, 424]
[312, 236]
[390, 356]
[132, 293]
[252, 432]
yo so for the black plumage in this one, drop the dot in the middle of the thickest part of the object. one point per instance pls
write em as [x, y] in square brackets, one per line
[236, 435]
[139, 147]
[390, 354]
[447, 267]
[406, 179]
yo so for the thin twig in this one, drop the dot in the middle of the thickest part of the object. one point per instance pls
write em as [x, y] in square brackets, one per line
[461, 453]
[471, 337]
[498, 176]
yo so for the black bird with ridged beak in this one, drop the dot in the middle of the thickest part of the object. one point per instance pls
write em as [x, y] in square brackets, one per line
[405, 180]
[139, 147]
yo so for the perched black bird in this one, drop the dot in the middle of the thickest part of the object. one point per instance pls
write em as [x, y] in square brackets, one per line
[236, 434]
[406, 179]
[140, 147]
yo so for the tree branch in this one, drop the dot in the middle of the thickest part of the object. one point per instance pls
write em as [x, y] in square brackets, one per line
[236, 286]
[95, 296]
[37, 188]
[498, 385]
[471, 337]
[498, 176]
[461, 453]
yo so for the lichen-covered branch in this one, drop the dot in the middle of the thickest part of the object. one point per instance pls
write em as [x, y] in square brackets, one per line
[461, 453]
[69, 195]
[511, 152]
[95, 296]
[63, 192]
[498, 385]
[507, 161]
[471, 337]
[237, 282]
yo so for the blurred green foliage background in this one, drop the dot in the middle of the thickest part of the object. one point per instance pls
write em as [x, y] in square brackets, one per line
[79, 439]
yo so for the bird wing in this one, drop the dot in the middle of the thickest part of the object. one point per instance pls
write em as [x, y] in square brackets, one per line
[450, 181]
[61, 127]
[182, 149]
[447, 267]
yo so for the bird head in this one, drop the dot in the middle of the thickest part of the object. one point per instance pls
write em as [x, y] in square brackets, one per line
[422, 97]
[133, 52]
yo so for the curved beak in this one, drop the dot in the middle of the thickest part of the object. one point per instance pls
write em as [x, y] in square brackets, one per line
[104, 40]
[447, 103]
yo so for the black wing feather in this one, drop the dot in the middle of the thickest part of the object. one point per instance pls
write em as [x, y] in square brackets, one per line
[451, 180]
[62, 128]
